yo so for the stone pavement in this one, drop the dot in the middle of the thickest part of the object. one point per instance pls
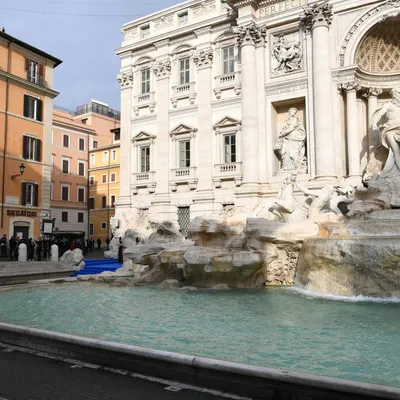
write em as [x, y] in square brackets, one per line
[26, 376]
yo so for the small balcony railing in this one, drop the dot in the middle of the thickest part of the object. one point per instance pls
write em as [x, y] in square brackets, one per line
[144, 98]
[228, 80]
[143, 178]
[183, 90]
[183, 174]
[37, 79]
[228, 170]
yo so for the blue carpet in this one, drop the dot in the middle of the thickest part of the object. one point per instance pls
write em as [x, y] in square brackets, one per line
[98, 266]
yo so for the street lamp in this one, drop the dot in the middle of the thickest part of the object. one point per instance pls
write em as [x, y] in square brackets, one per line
[21, 170]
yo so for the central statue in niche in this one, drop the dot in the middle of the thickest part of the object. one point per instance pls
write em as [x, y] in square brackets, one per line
[291, 145]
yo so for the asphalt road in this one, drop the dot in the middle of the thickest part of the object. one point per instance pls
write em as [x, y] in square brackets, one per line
[25, 376]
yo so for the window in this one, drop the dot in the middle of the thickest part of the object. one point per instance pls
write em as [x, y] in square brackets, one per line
[145, 31]
[104, 225]
[30, 193]
[184, 153]
[95, 144]
[33, 108]
[228, 60]
[33, 71]
[91, 203]
[230, 148]
[145, 80]
[66, 141]
[91, 180]
[65, 166]
[105, 156]
[104, 179]
[114, 155]
[91, 229]
[112, 201]
[92, 159]
[117, 136]
[81, 144]
[103, 202]
[145, 159]
[113, 177]
[81, 168]
[64, 216]
[31, 148]
[81, 195]
[80, 217]
[52, 162]
[65, 192]
[183, 18]
[184, 71]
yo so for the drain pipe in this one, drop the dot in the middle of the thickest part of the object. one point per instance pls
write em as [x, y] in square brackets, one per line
[5, 134]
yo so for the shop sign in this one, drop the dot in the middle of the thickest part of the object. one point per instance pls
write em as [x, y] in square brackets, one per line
[21, 213]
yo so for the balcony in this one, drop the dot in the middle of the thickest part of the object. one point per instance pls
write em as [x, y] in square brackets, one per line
[145, 100]
[228, 171]
[226, 82]
[144, 180]
[37, 79]
[185, 91]
[183, 175]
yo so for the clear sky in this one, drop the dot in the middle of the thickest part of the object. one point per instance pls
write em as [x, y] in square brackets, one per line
[84, 35]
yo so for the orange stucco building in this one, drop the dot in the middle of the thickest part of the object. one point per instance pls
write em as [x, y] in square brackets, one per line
[26, 106]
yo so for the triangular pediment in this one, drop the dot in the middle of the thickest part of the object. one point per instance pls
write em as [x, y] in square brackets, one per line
[142, 136]
[181, 129]
[227, 121]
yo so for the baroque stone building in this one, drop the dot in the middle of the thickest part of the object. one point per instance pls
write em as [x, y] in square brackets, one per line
[221, 100]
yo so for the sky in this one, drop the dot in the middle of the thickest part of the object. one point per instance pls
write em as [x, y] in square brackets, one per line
[84, 34]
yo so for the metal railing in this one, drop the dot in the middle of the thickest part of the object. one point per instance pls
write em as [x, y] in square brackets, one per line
[97, 108]
[37, 79]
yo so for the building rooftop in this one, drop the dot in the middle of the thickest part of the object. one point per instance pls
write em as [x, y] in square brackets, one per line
[27, 46]
[93, 106]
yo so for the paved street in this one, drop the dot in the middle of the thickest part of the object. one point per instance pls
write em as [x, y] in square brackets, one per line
[25, 376]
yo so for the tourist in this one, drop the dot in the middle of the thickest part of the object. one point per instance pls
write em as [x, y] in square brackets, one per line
[120, 252]
[12, 244]
[3, 245]
[39, 246]
[108, 243]
[30, 249]
[85, 246]
[98, 244]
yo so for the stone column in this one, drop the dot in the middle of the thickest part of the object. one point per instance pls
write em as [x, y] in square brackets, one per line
[204, 197]
[317, 19]
[353, 136]
[124, 201]
[373, 135]
[161, 201]
[248, 37]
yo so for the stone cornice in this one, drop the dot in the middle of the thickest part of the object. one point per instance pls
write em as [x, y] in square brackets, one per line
[319, 14]
[286, 86]
[35, 88]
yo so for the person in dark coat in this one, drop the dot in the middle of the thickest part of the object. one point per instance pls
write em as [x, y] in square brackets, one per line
[39, 246]
[13, 246]
[3, 246]
[98, 244]
[120, 252]
[31, 249]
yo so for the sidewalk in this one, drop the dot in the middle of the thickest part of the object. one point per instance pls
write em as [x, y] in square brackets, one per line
[25, 376]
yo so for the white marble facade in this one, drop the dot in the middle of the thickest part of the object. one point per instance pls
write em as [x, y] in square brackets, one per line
[206, 89]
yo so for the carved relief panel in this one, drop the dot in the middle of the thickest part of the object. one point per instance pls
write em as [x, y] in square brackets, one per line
[286, 53]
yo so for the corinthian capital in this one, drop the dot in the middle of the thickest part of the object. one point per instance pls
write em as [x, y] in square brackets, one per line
[162, 69]
[372, 92]
[317, 15]
[250, 34]
[203, 58]
[350, 86]
[125, 79]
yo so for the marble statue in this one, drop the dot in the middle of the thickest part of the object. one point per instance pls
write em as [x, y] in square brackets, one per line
[287, 54]
[291, 146]
[286, 207]
[114, 225]
[390, 131]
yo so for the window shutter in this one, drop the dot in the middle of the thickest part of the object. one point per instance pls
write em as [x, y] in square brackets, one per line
[39, 111]
[38, 150]
[25, 152]
[35, 195]
[26, 105]
[23, 200]
[27, 64]
[41, 69]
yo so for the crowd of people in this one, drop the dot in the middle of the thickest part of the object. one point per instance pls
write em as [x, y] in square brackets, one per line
[41, 248]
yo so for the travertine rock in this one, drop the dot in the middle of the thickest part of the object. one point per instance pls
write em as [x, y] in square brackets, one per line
[74, 257]
[368, 266]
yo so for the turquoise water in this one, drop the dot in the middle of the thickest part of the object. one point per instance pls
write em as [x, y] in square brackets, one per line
[276, 328]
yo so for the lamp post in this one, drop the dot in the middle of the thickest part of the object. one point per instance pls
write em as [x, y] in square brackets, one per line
[21, 170]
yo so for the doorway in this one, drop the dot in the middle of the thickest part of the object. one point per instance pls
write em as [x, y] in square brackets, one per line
[21, 231]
